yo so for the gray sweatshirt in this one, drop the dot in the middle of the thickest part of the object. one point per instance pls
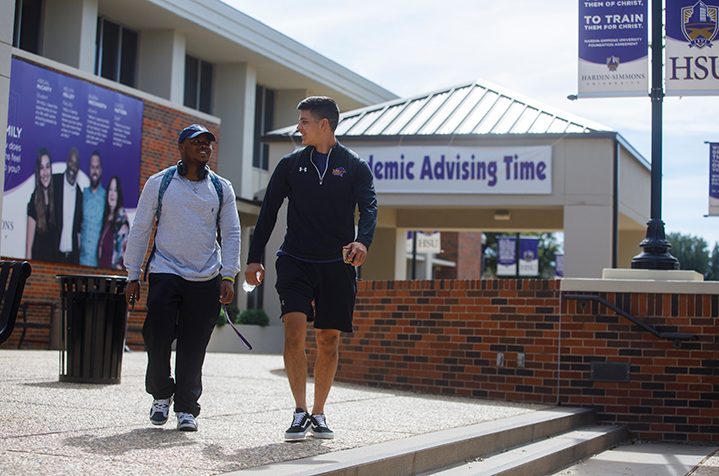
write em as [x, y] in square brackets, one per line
[186, 237]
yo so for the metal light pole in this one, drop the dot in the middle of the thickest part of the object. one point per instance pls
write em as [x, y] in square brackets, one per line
[656, 247]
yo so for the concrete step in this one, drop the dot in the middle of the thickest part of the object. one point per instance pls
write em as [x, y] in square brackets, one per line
[648, 459]
[437, 450]
[544, 457]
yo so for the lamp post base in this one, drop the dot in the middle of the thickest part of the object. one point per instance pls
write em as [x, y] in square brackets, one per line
[656, 249]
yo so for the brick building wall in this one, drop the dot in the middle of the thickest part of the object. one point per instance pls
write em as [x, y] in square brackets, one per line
[160, 127]
[444, 337]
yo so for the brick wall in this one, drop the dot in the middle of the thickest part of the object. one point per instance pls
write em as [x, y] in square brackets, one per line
[160, 127]
[444, 337]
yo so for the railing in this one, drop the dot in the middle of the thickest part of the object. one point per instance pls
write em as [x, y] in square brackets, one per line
[676, 338]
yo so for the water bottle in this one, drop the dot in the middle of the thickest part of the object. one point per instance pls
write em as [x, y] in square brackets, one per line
[247, 287]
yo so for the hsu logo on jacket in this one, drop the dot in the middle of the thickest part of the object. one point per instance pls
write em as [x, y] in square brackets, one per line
[339, 171]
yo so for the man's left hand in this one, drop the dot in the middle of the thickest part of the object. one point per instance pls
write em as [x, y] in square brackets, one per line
[356, 253]
[227, 292]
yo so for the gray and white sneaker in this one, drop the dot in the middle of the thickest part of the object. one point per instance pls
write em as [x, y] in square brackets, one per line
[186, 421]
[300, 425]
[319, 427]
[160, 411]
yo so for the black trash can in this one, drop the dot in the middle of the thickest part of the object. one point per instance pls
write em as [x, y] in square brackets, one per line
[94, 318]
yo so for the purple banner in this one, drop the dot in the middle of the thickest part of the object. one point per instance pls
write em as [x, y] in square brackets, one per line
[559, 265]
[692, 64]
[528, 256]
[506, 256]
[714, 178]
[69, 142]
[613, 54]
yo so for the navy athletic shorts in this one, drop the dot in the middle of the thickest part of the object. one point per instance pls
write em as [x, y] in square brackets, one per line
[332, 287]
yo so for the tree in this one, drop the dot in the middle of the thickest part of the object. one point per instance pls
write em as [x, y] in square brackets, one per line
[713, 269]
[691, 251]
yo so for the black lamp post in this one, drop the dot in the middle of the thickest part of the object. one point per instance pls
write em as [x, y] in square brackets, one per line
[656, 247]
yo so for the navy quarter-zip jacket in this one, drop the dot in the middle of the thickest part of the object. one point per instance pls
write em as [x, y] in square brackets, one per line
[321, 210]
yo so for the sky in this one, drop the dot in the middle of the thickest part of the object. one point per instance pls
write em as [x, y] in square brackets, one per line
[411, 47]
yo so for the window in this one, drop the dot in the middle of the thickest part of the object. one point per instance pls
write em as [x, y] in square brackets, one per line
[198, 84]
[115, 52]
[264, 117]
[28, 18]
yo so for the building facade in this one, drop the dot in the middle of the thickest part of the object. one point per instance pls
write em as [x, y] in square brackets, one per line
[174, 62]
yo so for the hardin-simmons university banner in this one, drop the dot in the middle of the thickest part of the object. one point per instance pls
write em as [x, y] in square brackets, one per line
[72, 168]
[511, 254]
[613, 53]
[473, 170]
[692, 48]
[714, 178]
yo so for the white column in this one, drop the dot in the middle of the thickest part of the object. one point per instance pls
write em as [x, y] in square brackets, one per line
[400, 254]
[286, 101]
[7, 14]
[69, 32]
[161, 64]
[587, 240]
[234, 102]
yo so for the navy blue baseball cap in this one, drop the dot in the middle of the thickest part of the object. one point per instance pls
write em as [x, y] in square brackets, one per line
[194, 130]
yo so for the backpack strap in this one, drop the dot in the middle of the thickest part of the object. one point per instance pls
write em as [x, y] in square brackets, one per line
[220, 194]
[166, 180]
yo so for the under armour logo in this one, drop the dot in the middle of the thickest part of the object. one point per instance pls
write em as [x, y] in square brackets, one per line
[303, 169]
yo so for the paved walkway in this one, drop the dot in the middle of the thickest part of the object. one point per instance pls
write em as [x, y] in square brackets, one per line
[57, 428]
[50, 427]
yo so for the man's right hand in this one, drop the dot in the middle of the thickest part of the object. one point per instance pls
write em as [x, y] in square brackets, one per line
[132, 293]
[255, 274]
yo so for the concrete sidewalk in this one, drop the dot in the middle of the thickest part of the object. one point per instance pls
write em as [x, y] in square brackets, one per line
[50, 427]
[57, 428]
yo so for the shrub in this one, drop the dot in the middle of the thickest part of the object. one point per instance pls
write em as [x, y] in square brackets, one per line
[257, 317]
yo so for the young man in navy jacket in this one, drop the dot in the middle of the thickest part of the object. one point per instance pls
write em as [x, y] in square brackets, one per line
[324, 183]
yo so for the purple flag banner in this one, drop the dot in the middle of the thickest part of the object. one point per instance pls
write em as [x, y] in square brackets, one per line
[528, 256]
[691, 64]
[559, 265]
[714, 179]
[506, 256]
[72, 168]
[613, 48]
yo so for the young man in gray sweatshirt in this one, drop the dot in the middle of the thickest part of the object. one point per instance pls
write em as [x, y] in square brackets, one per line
[190, 275]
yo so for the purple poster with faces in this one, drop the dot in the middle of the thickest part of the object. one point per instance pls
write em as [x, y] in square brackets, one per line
[613, 48]
[56, 123]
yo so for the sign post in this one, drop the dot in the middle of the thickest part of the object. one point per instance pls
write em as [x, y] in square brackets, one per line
[656, 247]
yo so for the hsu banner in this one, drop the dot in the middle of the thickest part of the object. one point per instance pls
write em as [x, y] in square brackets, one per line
[506, 256]
[426, 242]
[57, 127]
[455, 169]
[528, 256]
[692, 49]
[714, 178]
[613, 48]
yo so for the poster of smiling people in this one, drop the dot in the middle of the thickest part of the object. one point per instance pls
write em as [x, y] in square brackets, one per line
[72, 169]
